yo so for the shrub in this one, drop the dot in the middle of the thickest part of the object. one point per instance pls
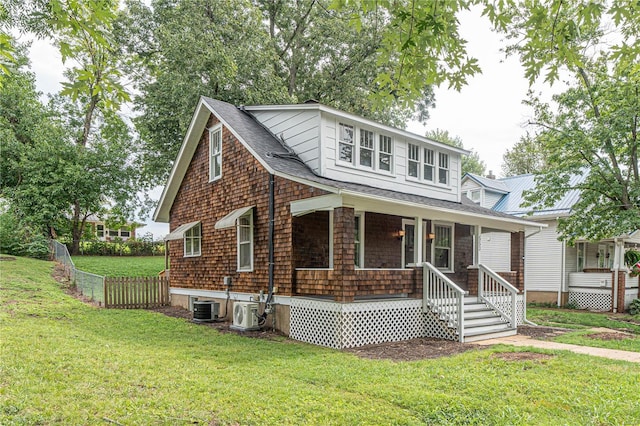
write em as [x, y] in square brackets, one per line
[19, 240]
[634, 308]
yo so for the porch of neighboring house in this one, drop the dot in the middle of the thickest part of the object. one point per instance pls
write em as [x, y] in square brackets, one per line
[600, 280]
[389, 272]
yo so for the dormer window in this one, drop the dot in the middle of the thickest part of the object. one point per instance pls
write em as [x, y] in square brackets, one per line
[421, 165]
[366, 148]
[365, 153]
[474, 196]
[428, 165]
[443, 169]
[414, 160]
[215, 153]
[385, 153]
[345, 146]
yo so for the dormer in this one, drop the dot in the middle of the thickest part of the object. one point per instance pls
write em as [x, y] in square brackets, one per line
[345, 147]
[484, 191]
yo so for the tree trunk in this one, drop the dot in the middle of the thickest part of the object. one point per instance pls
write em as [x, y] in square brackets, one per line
[77, 226]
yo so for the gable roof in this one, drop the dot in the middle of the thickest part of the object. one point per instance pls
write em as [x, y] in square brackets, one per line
[492, 184]
[517, 185]
[277, 159]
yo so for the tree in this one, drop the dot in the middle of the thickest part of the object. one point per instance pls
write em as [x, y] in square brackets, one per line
[526, 156]
[470, 163]
[591, 129]
[85, 159]
[249, 53]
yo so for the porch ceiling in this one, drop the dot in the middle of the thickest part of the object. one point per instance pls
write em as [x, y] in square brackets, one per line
[457, 213]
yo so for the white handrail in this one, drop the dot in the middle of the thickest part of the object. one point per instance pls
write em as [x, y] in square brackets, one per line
[443, 297]
[498, 293]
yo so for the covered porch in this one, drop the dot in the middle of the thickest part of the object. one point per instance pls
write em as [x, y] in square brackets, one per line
[600, 279]
[370, 266]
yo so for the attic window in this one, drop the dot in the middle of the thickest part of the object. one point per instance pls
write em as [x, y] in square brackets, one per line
[215, 153]
[345, 146]
[474, 196]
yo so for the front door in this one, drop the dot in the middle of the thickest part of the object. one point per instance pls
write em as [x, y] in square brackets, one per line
[408, 243]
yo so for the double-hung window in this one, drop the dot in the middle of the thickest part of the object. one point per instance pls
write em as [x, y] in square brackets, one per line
[385, 153]
[100, 231]
[443, 247]
[428, 165]
[245, 242]
[443, 169]
[345, 143]
[215, 153]
[413, 160]
[192, 241]
[366, 148]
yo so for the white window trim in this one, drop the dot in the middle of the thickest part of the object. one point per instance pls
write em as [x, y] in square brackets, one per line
[215, 129]
[436, 166]
[249, 214]
[360, 216]
[193, 240]
[447, 169]
[340, 141]
[356, 148]
[581, 247]
[450, 225]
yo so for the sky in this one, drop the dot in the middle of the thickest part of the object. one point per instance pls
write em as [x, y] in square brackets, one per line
[487, 114]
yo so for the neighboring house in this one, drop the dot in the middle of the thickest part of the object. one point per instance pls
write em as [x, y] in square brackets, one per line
[348, 232]
[591, 274]
[98, 227]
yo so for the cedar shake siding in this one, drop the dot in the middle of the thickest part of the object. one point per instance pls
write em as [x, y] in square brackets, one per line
[382, 248]
[311, 240]
[244, 182]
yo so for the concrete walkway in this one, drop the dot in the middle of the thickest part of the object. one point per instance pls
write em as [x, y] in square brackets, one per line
[520, 340]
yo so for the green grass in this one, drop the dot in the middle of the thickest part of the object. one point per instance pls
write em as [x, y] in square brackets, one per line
[64, 362]
[120, 266]
[583, 321]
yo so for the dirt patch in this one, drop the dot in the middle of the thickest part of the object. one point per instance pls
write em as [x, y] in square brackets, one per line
[616, 335]
[7, 258]
[541, 333]
[521, 356]
[222, 326]
[412, 350]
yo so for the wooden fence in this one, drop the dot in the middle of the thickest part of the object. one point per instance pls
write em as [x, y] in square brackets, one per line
[136, 292]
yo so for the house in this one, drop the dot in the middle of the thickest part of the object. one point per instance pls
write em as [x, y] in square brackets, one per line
[591, 274]
[100, 229]
[346, 232]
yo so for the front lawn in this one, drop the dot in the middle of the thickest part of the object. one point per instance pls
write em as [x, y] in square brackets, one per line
[583, 322]
[65, 362]
[120, 266]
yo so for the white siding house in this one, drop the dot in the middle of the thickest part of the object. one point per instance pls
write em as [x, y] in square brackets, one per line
[554, 271]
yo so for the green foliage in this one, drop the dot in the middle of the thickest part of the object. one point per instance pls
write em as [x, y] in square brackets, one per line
[120, 266]
[245, 53]
[526, 156]
[19, 240]
[64, 362]
[572, 305]
[130, 247]
[470, 163]
[634, 307]
[582, 319]
[631, 257]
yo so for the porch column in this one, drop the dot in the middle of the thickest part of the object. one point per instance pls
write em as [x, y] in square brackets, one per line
[419, 246]
[343, 283]
[517, 258]
[619, 273]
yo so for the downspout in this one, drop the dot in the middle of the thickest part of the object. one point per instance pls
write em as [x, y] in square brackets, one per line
[616, 268]
[525, 320]
[267, 306]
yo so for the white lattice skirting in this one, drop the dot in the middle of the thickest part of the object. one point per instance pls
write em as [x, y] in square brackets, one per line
[347, 325]
[520, 308]
[596, 299]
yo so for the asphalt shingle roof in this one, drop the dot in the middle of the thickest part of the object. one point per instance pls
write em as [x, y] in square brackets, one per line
[277, 156]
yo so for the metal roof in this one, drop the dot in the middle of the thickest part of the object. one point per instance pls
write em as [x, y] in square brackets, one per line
[493, 184]
[511, 203]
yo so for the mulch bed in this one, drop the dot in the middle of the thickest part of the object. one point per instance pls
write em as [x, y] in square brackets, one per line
[542, 333]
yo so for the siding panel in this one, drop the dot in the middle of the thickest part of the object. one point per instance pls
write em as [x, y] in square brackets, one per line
[543, 260]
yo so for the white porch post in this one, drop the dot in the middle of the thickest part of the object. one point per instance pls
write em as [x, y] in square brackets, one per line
[419, 241]
[476, 247]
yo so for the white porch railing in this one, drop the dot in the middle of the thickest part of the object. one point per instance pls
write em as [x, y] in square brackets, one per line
[498, 293]
[443, 297]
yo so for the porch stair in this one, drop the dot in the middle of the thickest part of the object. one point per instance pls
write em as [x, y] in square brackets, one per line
[481, 322]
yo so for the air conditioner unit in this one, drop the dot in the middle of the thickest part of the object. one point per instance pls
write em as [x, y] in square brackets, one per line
[245, 316]
[205, 310]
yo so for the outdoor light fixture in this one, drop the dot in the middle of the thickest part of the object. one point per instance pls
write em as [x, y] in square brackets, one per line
[430, 236]
[400, 234]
